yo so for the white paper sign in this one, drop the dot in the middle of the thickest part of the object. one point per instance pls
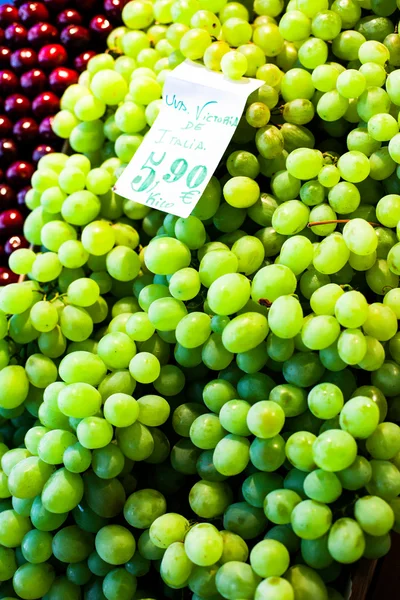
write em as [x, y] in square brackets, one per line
[178, 156]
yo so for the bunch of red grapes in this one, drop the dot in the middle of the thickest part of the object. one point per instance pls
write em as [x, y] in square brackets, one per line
[43, 48]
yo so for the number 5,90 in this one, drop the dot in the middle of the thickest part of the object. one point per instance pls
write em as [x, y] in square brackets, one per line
[178, 169]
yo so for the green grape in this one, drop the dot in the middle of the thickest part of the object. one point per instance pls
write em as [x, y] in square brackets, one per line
[235, 578]
[175, 567]
[353, 166]
[322, 486]
[206, 431]
[346, 542]
[380, 322]
[331, 255]
[209, 499]
[296, 253]
[244, 332]
[76, 458]
[144, 507]
[325, 400]
[305, 580]
[290, 217]
[118, 583]
[351, 309]
[44, 520]
[10, 458]
[255, 487]
[202, 580]
[312, 53]
[352, 346]
[33, 581]
[265, 419]
[13, 528]
[268, 455]
[184, 416]
[324, 77]
[165, 256]
[234, 547]
[231, 455]
[219, 298]
[71, 544]
[135, 441]
[273, 281]
[241, 192]
[274, 585]
[269, 558]
[332, 106]
[324, 299]
[167, 529]
[213, 54]
[285, 535]
[269, 39]
[360, 417]
[315, 553]
[279, 505]
[374, 515]
[303, 369]
[108, 462]
[120, 409]
[376, 546]
[115, 544]
[16, 299]
[279, 349]
[379, 277]
[14, 386]
[384, 441]
[53, 444]
[215, 264]
[216, 393]
[334, 450]
[185, 284]
[62, 491]
[351, 83]
[310, 519]
[320, 332]
[269, 141]
[8, 563]
[94, 432]
[21, 261]
[295, 26]
[233, 416]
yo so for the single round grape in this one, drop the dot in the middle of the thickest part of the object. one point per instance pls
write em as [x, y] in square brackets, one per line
[322, 486]
[235, 578]
[374, 515]
[209, 499]
[167, 529]
[33, 580]
[303, 579]
[346, 542]
[279, 505]
[360, 417]
[269, 558]
[334, 450]
[271, 586]
[115, 544]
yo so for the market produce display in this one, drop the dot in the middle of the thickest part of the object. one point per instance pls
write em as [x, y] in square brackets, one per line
[43, 48]
[207, 407]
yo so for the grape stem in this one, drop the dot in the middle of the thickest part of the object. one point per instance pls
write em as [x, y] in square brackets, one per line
[331, 221]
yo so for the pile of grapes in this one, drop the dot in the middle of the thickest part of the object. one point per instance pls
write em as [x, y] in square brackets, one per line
[206, 408]
[43, 48]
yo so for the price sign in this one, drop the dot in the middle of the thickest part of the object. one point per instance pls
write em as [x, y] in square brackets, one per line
[178, 156]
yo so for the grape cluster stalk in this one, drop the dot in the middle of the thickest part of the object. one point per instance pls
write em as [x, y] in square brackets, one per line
[208, 407]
